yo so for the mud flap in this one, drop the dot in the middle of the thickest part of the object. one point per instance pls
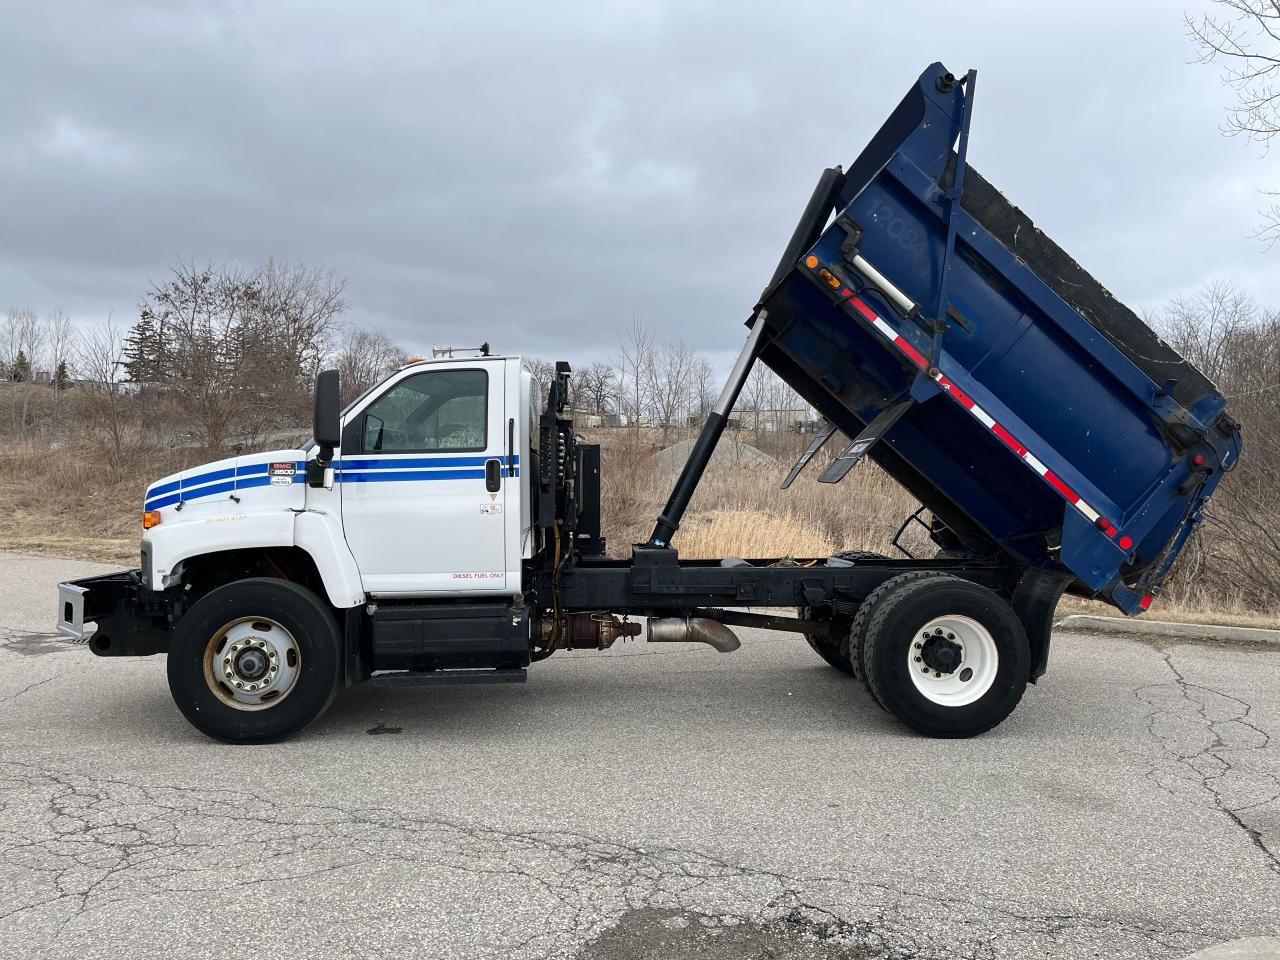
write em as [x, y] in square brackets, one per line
[803, 461]
[864, 441]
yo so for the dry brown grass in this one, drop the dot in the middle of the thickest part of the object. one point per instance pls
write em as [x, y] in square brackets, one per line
[65, 503]
[740, 510]
[751, 533]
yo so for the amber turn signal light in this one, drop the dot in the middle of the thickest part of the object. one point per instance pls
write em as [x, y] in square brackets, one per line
[150, 518]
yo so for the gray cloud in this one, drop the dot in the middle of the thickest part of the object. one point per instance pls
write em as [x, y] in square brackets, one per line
[534, 174]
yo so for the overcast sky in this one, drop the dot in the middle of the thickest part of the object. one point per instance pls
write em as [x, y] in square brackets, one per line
[535, 173]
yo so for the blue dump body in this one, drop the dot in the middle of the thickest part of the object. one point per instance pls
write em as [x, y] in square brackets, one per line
[1050, 427]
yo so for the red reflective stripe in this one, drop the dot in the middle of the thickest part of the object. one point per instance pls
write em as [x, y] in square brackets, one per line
[955, 391]
[911, 352]
[863, 309]
[1009, 439]
[1061, 487]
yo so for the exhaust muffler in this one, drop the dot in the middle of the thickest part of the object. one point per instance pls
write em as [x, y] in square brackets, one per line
[693, 630]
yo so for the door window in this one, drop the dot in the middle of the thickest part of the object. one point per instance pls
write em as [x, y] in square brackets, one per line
[429, 412]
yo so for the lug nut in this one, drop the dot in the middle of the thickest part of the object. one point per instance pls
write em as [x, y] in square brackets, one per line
[918, 646]
[938, 675]
[917, 659]
[239, 685]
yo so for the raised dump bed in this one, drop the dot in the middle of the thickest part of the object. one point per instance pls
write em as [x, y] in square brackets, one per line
[1039, 420]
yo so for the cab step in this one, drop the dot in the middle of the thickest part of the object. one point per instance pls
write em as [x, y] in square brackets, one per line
[417, 678]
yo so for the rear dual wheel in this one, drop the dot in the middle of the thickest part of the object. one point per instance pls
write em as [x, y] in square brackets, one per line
[947, 657]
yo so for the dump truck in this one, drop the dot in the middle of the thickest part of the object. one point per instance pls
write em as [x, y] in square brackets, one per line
[445, 527]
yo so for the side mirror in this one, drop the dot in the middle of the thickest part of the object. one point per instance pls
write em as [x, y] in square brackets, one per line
[326, 426]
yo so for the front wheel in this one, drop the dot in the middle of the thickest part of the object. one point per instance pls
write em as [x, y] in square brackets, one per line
[254, 661]
[947, 657]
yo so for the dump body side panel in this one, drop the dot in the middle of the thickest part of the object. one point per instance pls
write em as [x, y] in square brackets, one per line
[1050, 425]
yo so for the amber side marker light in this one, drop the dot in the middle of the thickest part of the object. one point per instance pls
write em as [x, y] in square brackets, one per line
[150, 518]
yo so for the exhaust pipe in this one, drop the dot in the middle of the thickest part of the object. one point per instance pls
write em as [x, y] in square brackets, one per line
[693, 630]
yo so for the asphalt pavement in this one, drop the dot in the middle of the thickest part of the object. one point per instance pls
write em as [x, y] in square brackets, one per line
[639, 803]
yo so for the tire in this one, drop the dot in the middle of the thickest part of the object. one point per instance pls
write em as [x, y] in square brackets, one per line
[859, 555]
[856, 645]
[971, 650]
[836, 652]
[286, 668]
[831, 651]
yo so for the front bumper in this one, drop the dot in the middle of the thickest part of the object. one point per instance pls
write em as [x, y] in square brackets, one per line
[131, 619]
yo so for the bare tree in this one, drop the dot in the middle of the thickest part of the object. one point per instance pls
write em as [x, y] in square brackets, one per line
[635, 358]
[596, 388]
[670, 387]
[238, 349]
[705, 388]
[365, 359]
[104, 409]
[544, 371]
[22, 334]
[1245, 41]
[23, 345]
[60, 335]
[1227, 335]
[298, 309]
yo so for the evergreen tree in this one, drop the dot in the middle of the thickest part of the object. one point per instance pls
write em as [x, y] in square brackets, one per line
[21, 368]
[60, 376]
[144, 350]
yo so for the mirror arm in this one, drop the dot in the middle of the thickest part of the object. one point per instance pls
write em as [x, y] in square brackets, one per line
[318, 465]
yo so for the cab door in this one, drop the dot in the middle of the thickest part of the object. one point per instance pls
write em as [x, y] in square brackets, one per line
[424, 476]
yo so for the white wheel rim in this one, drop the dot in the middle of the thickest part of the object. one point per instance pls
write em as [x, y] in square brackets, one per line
[252, 663]
[933, 650]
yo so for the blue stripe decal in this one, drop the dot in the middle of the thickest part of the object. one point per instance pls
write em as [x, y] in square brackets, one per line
[225, 474]
[228, 486]
[164, 488]
[398, 463]
[347, 476]
[349, 471]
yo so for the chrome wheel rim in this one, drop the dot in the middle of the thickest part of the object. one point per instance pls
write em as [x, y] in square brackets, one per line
[252, 663]
[953, 660]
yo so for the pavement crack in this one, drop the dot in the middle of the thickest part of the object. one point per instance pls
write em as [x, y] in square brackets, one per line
[28, 688]
[91, 847]
[1211, 749]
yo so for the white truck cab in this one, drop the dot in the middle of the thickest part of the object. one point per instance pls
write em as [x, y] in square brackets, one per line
[422, 500]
